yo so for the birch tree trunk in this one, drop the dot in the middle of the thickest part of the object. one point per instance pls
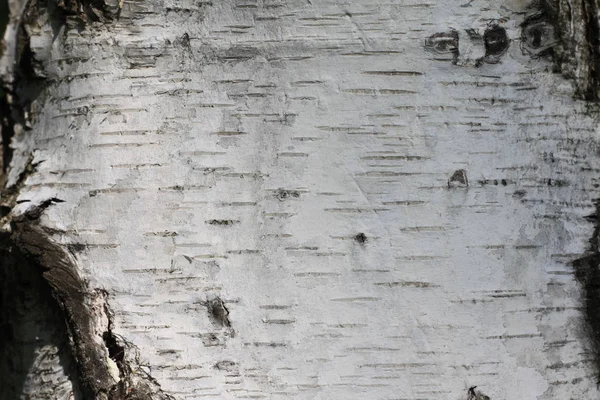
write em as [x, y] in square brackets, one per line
[268, 199]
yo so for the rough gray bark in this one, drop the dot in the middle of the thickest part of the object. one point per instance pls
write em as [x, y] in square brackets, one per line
[300, 199]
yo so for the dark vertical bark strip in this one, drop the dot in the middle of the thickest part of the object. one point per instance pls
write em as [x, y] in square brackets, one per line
[7, 131]
[578, 53]
[587, 272]
[593, 36]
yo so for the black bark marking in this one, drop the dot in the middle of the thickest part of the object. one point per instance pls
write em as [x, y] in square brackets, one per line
[458, 179]
[222, 222]
[587, 272]
[184, 40]
[361, 238]
[116, 350]
[519, 194]
[226, 365]
[496, 43]
[284, 194]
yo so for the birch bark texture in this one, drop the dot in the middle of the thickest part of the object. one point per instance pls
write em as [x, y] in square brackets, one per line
[317, 199]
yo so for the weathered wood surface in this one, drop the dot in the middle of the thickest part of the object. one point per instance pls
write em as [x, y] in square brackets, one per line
[271, 193]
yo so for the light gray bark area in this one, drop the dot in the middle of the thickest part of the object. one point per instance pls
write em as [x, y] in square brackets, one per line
[233, 150]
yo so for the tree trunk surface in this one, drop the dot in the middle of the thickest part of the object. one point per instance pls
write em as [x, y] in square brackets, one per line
[268, 199]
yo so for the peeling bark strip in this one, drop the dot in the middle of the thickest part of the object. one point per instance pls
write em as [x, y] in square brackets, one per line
[96, 349]
[587, 272]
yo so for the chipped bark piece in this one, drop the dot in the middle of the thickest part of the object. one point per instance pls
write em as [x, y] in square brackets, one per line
[473, 394]
[458, 179]
[218, 313]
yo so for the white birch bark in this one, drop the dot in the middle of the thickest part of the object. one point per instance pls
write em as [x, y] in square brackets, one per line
[300, 162]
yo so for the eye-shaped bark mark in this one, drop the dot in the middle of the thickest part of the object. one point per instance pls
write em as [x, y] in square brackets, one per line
[496, 43]
[538, 36]
[444, 43]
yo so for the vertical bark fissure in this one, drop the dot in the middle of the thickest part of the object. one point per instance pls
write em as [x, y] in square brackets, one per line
[8, 131]
[592, 36]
